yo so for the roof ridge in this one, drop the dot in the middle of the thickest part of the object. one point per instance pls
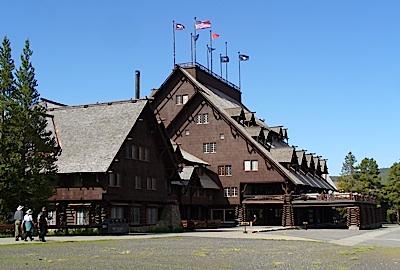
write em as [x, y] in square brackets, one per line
[108, 103]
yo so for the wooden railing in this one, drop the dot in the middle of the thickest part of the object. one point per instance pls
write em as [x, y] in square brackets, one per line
[265, 197]
[339, 197]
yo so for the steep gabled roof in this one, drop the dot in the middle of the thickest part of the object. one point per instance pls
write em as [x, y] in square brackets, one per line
[283, 154]
[187, 156]
[90, 136]
[227, 108]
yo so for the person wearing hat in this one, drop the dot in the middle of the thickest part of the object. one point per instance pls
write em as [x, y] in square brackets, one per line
[18, 217]
[28, 224]
[42, 221]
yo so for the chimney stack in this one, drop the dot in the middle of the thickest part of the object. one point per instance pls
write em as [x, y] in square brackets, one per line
[137, 84]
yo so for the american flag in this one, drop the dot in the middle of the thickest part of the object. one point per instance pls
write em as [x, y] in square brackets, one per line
[202, 24]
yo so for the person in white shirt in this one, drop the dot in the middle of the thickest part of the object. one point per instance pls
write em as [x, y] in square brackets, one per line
[28, 225]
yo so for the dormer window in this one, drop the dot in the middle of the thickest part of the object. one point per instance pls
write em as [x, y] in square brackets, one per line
[181, 99]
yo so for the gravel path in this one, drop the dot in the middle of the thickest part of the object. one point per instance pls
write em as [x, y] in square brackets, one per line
[196, 253]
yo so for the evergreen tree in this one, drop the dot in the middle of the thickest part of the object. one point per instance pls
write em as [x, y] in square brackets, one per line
[29, 166]
[346, 181]
[393, 190]
[7, 86]
[367, 179]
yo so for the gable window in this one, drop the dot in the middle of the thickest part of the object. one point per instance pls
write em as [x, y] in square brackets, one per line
[251, 165]
[230, 192]
[181, 99]
[114, 179]
[222, 136]
[210, 147]
[225, 170]
[202, 118]
[187, 132]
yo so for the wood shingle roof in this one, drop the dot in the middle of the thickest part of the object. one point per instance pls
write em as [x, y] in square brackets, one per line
[90, 136]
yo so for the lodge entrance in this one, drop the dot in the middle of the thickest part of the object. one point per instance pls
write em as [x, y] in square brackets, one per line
[269, 215]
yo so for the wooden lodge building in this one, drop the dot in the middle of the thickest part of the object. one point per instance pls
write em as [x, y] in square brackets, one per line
[192, 154]
[116, 163]
[260, 173]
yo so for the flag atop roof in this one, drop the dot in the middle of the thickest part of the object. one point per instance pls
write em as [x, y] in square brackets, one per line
[243, 57]
[214, 35]
[202, 24]
[224, 59]
[179, 26]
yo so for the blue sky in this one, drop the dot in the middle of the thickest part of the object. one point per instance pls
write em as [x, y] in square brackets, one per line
[327, 70]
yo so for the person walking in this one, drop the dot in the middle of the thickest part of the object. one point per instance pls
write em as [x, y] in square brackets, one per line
[42, 221]
[28, 225]
[18, 217]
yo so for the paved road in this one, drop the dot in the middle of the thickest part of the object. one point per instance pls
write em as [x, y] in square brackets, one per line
[388, 236]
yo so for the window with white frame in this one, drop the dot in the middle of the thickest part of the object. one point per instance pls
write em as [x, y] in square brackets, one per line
[151, 215]
[181, 99]
[135, 215]
[225, 170]
[251, 165]
[82, 216]
[222, 136]
[114, 179]
[210, 147]
[52, 217]
[230, 192]
[117, 212]
[202, 118]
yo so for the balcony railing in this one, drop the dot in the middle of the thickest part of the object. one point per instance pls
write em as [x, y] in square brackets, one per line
[203, 68]
[339, 197]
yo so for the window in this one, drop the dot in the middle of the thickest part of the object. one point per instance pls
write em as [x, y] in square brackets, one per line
[151, 183]
[117, 212]
[114, 179]
[152, 215]
[202, 118]
[135, 211]
[222, 136]
[210, 147]
[187, 133]
[138, 182]
[185, 99]
[52, 217]
[251, 165]
[230, 192]
[82, 217]
[146, 154]
[181, 99]
[225, 170]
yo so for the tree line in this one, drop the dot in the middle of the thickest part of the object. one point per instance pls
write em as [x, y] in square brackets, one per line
[364, 178]
[28, 151]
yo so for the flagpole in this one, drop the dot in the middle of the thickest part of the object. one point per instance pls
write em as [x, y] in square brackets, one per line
[173, 34]
[191, 46]
[211, 51]
[195, 41]
[240, 82]
[208, 60]
[226, 63]
[220, 62]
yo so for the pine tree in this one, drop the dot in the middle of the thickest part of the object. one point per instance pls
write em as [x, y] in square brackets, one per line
[7, 87]
[393, 190]
[346, 180]
[29, 164]
[367, 179]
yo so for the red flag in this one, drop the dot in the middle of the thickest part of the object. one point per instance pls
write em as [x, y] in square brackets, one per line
[214, 35]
